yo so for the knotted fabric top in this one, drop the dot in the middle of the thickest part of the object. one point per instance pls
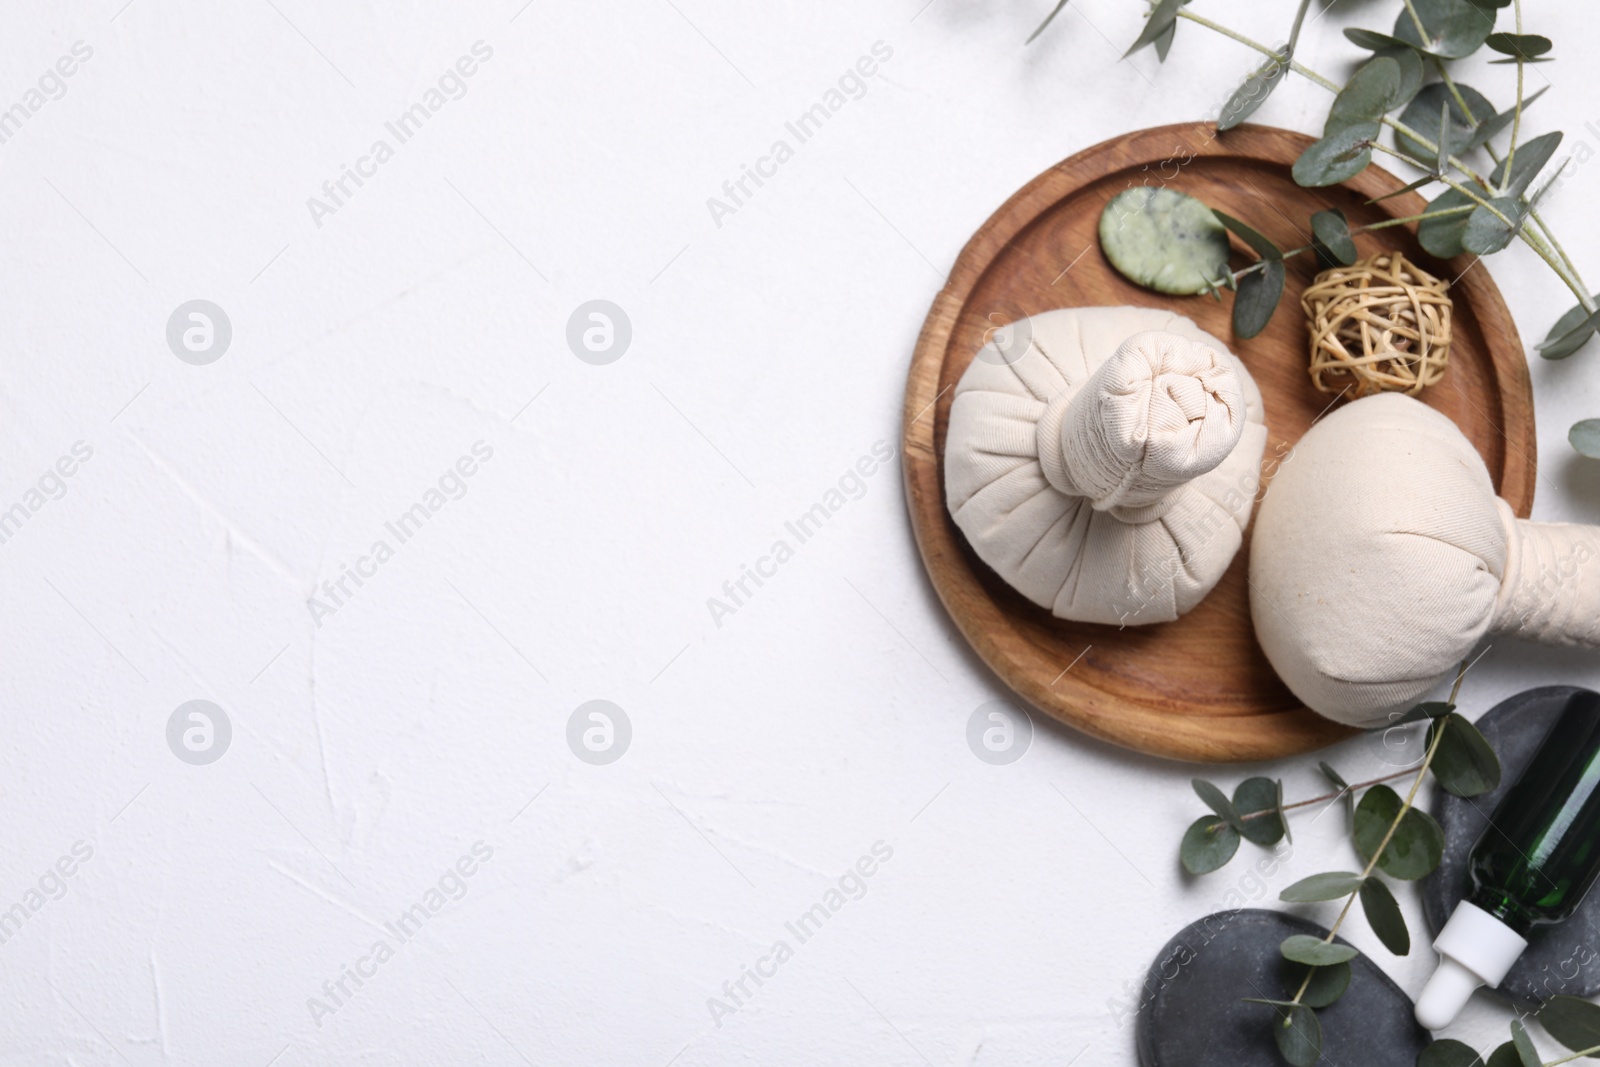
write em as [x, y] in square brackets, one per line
[1104, 461]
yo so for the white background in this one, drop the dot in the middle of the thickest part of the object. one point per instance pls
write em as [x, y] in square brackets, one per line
[768, 354]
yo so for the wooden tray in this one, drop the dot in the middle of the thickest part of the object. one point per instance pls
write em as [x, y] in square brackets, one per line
[1198, 688]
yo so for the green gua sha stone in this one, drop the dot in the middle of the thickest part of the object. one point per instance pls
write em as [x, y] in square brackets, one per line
[1164, 240]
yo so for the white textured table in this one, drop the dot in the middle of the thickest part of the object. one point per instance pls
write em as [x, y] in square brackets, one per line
[398, 532]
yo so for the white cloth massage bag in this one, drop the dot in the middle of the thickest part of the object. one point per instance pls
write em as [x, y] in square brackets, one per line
[1104, 461]
[1381, 555]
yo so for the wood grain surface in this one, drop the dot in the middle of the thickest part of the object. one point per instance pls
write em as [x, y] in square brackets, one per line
[1198, 688]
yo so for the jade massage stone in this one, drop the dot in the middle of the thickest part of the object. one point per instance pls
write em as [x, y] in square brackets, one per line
[1164, 240]
[1563, 958]
[1191, 1014]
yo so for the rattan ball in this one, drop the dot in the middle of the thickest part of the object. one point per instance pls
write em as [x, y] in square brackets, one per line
[1380, 325]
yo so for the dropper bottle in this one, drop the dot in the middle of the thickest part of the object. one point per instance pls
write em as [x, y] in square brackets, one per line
[1535, 861]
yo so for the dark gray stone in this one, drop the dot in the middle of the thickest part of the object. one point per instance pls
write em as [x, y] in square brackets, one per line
[1191, 1014]
[1564, 958]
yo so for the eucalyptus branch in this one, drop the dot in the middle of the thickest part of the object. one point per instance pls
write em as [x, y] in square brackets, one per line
[1377, 853]
[1323, 799]
[1569, 277]
[1442, 213]
[1533, 212]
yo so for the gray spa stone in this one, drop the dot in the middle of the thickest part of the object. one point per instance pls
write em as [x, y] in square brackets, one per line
[1191, 1014]
[1564, 958]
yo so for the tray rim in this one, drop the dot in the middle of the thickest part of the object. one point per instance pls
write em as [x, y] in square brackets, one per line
[1146, 729]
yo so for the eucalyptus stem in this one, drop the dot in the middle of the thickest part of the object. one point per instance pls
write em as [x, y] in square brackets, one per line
[1217, 27]
[1461, 101]
[1516, 122]
[1439, 728]
[1422, 31]
[1574, 1056]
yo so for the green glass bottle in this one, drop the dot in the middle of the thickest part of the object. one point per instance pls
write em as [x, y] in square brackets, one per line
[1536, 859]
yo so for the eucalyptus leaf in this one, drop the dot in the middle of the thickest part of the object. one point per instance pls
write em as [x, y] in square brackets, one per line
[1383, 915]
[1373, 41]
[1254, 92]
[1505, 1056]
[1464, 763]
[1299, 1036]
[1258, 297]
[1570, 333]
[1585, 439]
[1492, 226]
[1449, 1053]
[1573, 1022]
[1418, 842]
[1217, 801]
[1164, 42]
[1529, 160]
[1409, 187]
[1162, 19]
[1048, 19]
[1207, 845]
[1452, 29]
[1262, 798]
[1260, 242]
[1490, 127]
[1343, 786]
[1422, 115]
[1411, 72]
[1428, 709]
[1327, 985]
[1544, 190]
[1303, 948]
[1524, 1045]
[1338, 157]
[1442, 236]
[1523, 46]
[1333, 885]
[1410, 60]
[1441, 156]
[1367, 96]
[1330, 236]
[1412, 715]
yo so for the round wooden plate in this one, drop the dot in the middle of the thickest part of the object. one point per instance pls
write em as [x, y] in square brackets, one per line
[1198, 688]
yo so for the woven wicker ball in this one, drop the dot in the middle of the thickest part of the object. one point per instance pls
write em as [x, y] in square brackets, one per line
[1381, 325]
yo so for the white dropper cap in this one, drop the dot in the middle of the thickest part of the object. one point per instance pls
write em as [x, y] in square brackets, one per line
[1474, 949]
